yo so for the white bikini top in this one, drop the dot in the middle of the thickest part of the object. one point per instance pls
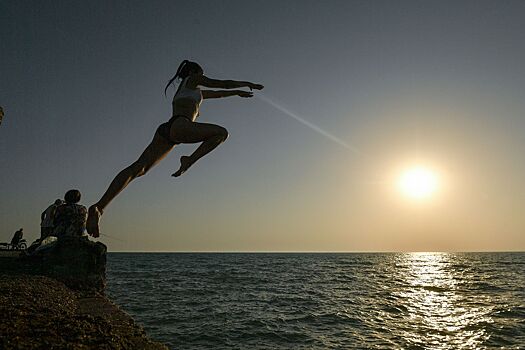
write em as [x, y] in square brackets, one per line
[185, 92]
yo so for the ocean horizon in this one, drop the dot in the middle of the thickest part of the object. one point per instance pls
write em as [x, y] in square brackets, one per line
[312, 252]
[317, 300]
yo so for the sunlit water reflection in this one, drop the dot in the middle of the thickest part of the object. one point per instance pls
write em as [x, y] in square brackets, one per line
[325, 301]
[441, 315]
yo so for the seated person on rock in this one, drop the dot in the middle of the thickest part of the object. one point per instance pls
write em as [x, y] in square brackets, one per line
[47, 219]
[70, 218]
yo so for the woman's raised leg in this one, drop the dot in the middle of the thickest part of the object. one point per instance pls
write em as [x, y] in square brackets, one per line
[185, 131]
[154, 153]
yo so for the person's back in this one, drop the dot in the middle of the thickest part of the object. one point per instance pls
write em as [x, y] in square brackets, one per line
[70, 218]
[48, 216]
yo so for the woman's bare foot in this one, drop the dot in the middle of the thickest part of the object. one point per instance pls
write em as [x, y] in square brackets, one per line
[93, 218]
[185, 163]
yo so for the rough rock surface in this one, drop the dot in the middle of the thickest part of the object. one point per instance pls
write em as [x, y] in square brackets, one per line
[55, 300]
[41, 313]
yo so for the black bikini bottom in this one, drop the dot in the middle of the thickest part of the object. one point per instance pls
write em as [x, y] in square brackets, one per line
[164, 128]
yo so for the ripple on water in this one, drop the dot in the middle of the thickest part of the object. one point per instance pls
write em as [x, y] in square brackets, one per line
[321, 301]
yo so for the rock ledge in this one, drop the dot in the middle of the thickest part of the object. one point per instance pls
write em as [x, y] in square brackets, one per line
[55, 300]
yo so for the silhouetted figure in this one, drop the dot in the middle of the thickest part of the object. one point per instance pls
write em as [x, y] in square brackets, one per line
[70, 217]
[17, 237]
[47, 217]
[181, 128]
[1, 115]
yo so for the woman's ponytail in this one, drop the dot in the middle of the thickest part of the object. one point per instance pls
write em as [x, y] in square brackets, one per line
[185, 68]
[183, 63]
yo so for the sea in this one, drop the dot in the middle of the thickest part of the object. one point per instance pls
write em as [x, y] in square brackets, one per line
[324, 300]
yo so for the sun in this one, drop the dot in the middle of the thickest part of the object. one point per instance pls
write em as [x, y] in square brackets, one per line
[418, 182]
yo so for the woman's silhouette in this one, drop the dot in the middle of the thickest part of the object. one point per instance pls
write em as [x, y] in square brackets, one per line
[181, 128]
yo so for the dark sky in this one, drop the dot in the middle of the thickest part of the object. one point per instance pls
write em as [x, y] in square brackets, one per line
[439, 83]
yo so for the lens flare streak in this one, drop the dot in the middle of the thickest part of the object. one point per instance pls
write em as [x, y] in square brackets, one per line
[307, 123]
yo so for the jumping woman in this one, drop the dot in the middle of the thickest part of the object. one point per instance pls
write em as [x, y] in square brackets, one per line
[181, 128]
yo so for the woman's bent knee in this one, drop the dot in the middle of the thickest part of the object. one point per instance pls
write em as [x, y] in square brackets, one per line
[223, 133]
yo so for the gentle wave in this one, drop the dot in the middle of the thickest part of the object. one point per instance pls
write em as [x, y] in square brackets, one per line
[324, 301]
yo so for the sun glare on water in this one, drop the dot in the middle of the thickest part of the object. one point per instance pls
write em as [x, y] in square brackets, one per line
[418, 182]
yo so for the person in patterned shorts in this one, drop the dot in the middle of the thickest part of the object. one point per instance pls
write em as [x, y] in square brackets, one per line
[70, 217]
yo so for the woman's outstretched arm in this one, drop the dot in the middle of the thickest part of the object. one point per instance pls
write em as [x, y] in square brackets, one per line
[224, 84]
[221, 93]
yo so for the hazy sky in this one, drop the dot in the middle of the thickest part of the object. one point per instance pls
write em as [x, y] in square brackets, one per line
[439, 83]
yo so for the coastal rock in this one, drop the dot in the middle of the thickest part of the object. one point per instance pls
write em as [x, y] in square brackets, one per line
[41, 313]
[55, 299]
[77, 262]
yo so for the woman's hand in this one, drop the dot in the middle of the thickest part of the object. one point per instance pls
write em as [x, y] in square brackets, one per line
[255, 86]
[245, 94]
